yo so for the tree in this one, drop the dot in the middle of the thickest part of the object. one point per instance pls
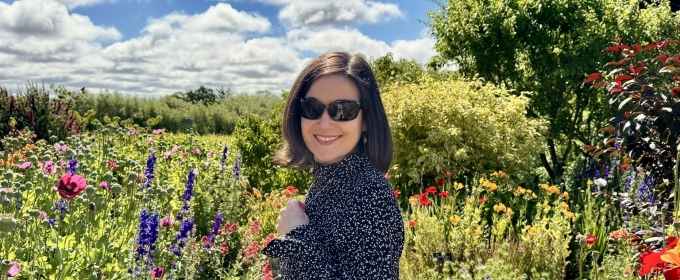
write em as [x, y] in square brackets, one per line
[202, 95]
[546, 47]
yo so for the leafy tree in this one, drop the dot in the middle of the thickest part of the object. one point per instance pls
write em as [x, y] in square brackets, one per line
[546, 47]
[203, 95]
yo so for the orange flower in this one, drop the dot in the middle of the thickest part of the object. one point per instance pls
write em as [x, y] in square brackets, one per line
[412, 223]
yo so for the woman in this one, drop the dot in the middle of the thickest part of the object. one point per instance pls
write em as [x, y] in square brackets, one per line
[350, 226]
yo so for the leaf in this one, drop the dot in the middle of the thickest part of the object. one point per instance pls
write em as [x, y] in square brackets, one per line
[668, 69]
[592, 77]
[612, 49]
[589, 147]
[614, 90]
[651, 47]
[615, 71]
[613, 63]
[622, 78]
[597, 85]
[608, 128]
[624, 102]
[637, 47]
[663, 58]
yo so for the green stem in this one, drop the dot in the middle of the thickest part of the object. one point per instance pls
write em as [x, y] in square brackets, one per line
[677, 184]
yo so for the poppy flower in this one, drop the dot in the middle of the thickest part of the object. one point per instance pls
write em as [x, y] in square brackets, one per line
[157, 272]
[431, 189]
[440, 182]
[396, 193]
[623, 166]
[482, 200]
[14, 270]
[591, 239]
[412, 223]
[71, 186]
[448, 174]
[444, 194]
[424, 201]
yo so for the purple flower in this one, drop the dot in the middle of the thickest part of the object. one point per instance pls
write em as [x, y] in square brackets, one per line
[237, 170]
[184, 230]
[62, 207]
[49, 168]
[148, 234]
[224, 157]
[14, 270]
[175, 251]
[149, 172]
[52, 221]
[72, 164]
[189, 191]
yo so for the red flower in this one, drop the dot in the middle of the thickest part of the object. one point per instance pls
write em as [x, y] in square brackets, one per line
[396, 193]
[651, 261]
[157, 272]
[431, 189]
[624, 166]
[267, 268]
[112, 165]
[292, 189]
[204, 240]
[424, 201]
[440, 182]
[591, 239]
[71, 186]
[482, 200]
[444, 194]
[672, 274]
[448, 174]
[388, 176]
[224, 249]
[412, 223]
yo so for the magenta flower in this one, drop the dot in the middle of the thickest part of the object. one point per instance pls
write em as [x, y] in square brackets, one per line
[157, 272]
[166, 222]
[167, 154]
[158, 131]
[176, 149]
[48, 168]
[25, 165]
[197, 151]
[42, 215]
[14, 270]
[210, 154]
[71, 186]
[112, 165]
[105, 185]
[149, 140]
[132, 133]
[185, 154]
[61, 149]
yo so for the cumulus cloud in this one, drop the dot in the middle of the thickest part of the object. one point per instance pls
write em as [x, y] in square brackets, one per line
[329, 12]
[70, 4]
[176, 52]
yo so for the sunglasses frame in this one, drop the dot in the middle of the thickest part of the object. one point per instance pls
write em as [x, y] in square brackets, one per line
[327, 108]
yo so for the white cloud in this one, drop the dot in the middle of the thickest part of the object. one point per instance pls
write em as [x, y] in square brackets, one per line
[70, 4]
[176, 52]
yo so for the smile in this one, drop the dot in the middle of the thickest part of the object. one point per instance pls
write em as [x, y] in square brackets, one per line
[322, 138]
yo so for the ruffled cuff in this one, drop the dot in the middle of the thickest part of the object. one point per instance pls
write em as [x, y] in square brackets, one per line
[299, 242]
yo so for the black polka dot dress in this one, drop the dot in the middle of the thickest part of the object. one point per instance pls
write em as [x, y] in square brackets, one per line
[355, 229]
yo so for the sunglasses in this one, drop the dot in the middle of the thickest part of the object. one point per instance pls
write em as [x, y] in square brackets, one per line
[339, 110]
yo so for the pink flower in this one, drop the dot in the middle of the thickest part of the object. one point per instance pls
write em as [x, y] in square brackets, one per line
[176, 149]
[167, 154]
[61, 149]
[112, 165]
[132, 132]
[210, 154]
[42, 215]
[158, 131]
[197, 151]
[49, 168]
[185, 154]
[14, 270]
[71, 186]
[25, 165]
[149, 140]
[105, 185]
[269, 238]
[166, 222]
[388, 176]
[157, 272]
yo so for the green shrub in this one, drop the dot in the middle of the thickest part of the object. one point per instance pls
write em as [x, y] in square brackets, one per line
[257, 140]
[465, 127]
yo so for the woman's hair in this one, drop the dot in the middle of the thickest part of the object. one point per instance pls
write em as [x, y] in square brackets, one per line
[378, 147]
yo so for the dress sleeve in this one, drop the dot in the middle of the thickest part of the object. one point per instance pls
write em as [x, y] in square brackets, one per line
[299, 242]
[367, 240]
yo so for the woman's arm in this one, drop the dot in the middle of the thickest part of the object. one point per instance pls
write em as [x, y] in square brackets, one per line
[299, 242]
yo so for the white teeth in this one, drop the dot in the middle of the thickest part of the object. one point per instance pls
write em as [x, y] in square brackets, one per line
[327, 138]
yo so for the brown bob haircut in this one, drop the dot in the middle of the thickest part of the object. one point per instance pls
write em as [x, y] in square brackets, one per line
[378, 147]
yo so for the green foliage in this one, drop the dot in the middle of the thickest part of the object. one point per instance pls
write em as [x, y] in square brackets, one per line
[46, 116]
[546, 47]
[204, 95]
[258, 140]
[473, 128]
[178, 115]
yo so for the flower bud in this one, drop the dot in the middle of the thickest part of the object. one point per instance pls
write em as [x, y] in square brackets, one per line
[38, 190]
[28, 185]
[7, 223]
[6, 203]
[107, 177]
[89, 190]
[116, 189]
[596, 255]
[9, 175]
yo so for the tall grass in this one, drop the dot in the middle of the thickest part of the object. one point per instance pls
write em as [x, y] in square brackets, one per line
[218, 118]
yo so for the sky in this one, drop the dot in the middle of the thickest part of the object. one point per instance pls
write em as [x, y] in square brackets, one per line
[154, 48]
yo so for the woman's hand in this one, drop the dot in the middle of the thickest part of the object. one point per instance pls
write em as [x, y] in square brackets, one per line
[291, 217]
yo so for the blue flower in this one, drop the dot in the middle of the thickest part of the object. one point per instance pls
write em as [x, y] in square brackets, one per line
[184, 229]
[237, 170]
[149, 172]
[224, 157]
[62, 207]
[148, 234]
[189, 191]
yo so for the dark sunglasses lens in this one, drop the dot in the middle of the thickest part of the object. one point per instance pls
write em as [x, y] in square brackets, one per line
[311, 109]
[343, 110]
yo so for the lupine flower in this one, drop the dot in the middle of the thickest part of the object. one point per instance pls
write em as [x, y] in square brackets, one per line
[175, 251]
[215, 230]
[224, 157]
[72, 164]
[149, 172]
[189, 191]
[237, 170]
[62, 207]
[25, 165]
[606, 172]
[52, 221]
[184, 230]
[146, 240]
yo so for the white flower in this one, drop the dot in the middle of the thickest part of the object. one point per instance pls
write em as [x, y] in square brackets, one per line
[601, 182]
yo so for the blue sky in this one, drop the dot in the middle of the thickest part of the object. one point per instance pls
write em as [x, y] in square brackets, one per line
[157, 47]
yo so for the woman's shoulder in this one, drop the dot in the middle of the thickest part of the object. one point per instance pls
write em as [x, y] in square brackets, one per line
[371, 184]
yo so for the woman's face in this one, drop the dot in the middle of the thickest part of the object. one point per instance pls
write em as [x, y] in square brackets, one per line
[330, 141]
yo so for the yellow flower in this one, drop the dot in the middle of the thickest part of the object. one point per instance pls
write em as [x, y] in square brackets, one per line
[565, 195]
[454, 219]
[447, 207]
[509, 212]
[565, 206]
[533, 195]
[499, 207]
[457, 186]
[548, 208]
[530, 229]
[257, 193]
[569, 214]
[520, 191]
[500, 174]
[672, 256]
[590, 183]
